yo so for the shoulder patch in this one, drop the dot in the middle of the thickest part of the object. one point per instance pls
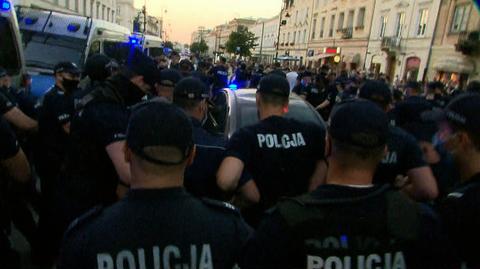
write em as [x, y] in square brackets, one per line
[84, 219]
[221, 205]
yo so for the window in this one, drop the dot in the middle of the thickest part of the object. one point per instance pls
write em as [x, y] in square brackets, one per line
[322, 27]
[91, 7]
[306, 15]
[304, 36]
[351, 14]
[460, 18]
[314, 29]
[361, 17]
[98, 10]
[332, 26]
[294, 37]
[383, 25]
[400, 24]
[85, 8]
[103, 12]
[341, 18]
[76, 5]
[288, 38]
[422, 22]
[283, 38]
[108, 14]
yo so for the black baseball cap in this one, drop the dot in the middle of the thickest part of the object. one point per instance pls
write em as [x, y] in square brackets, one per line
[413, 85]
[191, 88]
[274, 84]
[464, 112]
[151, 125]
[278, 72]
[376, 91]
[66, 67]
[359, 123]
[98, 67]
[168, 77]
[142, 65]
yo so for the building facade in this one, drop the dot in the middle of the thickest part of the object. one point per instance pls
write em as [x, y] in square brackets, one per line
[266, 32]
[401, 38]
[340, 32]
[455, 57]
[97, 9]
[126, 13]
[295, 30]
[200, 34]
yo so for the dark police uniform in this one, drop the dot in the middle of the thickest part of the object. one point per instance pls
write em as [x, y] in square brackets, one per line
[156, 229]
[280, 154]
[6, 101]
[403, 154]
[346, 227]
[460, 212]
[9, 147]
[219, 78]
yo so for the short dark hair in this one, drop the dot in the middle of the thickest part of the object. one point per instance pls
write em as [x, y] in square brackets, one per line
[185, 103]
[354, 156]
[474, 86]
[273, 99]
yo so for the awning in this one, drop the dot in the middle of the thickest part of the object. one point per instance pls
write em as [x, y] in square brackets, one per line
[322, 56]
[454, 65]
[287, 58]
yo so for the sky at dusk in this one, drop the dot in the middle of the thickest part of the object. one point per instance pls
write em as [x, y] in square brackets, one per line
[184, 16]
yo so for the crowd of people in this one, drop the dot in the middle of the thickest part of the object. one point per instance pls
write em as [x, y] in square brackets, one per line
[120, 165]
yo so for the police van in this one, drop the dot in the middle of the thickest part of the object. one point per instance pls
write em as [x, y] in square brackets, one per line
[150, 44]
[50, 37]
[11, 53]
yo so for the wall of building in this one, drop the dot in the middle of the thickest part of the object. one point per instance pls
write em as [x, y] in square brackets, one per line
[126, 13]
[266, 32]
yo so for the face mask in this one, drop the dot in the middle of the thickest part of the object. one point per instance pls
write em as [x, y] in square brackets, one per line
[70, 85]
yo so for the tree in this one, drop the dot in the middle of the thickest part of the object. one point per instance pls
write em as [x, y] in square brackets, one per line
[241, 42]
[168, 44]
[199, 47]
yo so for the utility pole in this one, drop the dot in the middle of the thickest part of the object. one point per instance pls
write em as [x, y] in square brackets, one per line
[261, 42]
[144, 11]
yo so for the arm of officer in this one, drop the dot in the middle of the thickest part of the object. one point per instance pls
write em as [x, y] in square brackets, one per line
[319, 175]
[18, 119]
[423, 185]
[18, 167]
[229, 173]
[323, 105]
[116, 152]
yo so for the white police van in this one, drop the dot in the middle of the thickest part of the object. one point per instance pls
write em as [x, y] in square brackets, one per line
[11, 53]
[50, 37]
[151, 45]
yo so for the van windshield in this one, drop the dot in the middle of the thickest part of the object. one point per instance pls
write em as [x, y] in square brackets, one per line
[9, 58]
[45, 50]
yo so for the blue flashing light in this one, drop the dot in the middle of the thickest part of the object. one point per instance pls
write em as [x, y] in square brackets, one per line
[73, 27]
[6, 5]
[30, 21]
[134, 41]
[233, 87]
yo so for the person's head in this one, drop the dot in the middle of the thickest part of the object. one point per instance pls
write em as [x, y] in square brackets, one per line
[186, 67]
[460, 127]
[435, 87]
[165, 82]
[162, 62]
[140, 70]
[191, 95]
[272, 96]
[377, 92]
[5, 80]
[306, 78]
[98, 67]
[157, 153]
[357, 135]
[175, 57]
[473, 86]
[222, 61]
[67, 76]
[413, 88]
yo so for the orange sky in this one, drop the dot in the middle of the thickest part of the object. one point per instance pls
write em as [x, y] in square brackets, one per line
[184, 16]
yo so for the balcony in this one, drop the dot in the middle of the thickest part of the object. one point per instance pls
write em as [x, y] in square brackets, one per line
[347, 33]
[469, 43]
[292, 44]
[391, 43]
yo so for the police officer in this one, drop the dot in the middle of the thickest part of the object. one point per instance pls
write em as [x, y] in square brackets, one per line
[202, 73]
[165, 81]
[14, 167]
[460, 133]
[257, 75]
[191, 95]
[97, 69]
[219, 74]
[56, 108]
[285, 157]
[349, 222]
[158, 224]
[410, 110]
[95, 167]
[404, 156]
[9, 107]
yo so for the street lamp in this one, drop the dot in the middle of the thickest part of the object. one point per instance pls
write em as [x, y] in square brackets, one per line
[280, 24]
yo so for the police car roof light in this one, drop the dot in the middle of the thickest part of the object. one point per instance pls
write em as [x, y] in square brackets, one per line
[233, 87]
[133, 40]
[5, 5]
[73, 27]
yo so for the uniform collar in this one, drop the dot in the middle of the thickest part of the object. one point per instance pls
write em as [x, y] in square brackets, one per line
[136, 194]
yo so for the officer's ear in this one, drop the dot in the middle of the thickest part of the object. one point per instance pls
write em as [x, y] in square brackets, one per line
[191, 157]
[128, 153]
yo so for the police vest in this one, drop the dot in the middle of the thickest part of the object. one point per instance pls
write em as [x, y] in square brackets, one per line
[103, 93]
[337, 233]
